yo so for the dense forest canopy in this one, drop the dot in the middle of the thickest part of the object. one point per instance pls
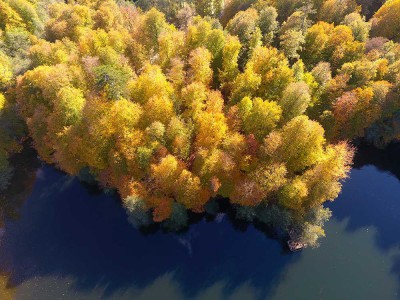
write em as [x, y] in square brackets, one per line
[173, 103]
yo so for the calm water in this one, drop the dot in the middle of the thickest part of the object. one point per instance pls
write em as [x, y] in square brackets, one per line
[63, 241]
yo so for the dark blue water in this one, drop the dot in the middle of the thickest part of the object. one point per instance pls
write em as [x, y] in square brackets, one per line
[69, 242]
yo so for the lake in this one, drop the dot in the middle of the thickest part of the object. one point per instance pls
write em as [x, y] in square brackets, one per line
[64, 240]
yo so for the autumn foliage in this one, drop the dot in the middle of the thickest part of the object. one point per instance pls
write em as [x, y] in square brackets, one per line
[171, 108]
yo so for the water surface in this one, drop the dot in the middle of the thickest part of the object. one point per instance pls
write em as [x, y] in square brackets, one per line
[66, 241]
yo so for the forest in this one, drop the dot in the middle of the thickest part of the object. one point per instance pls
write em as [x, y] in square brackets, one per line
[174, 104]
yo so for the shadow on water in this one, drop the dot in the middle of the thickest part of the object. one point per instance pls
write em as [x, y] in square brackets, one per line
[69, 231]
[11, 200]
[385, 160]
[373, 198]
